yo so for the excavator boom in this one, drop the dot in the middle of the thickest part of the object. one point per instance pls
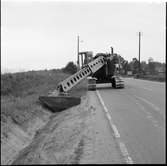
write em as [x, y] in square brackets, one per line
[73, 80]
[60, 100]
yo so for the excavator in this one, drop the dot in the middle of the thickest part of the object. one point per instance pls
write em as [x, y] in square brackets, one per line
[102, 68]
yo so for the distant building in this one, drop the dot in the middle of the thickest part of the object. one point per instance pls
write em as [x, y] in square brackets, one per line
[160, 70]
[129, 73]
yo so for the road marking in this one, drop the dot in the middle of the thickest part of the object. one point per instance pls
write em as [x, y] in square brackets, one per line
[115, 131]
[152, 105]
[108, 115]
[105, 109]
[153, 82]
[148, 114]
[122, 147]
[125, 153]
[145, 88]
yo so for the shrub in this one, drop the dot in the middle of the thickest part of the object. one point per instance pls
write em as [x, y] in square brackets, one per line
[70, 68]
[161, 78]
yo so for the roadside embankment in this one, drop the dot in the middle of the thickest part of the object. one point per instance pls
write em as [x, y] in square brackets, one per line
[22, 114]
[14, 138]
[78, 135]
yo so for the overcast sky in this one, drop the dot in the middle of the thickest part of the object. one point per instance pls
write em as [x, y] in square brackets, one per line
[38, 35]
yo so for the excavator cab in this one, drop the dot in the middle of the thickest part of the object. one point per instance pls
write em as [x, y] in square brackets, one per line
[86, 57]
[110, 72]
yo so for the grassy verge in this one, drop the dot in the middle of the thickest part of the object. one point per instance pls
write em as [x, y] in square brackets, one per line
[19, 92]
[161, 78]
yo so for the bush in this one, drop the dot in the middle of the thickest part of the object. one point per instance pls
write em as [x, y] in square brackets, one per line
[70, 68]
[161, 78]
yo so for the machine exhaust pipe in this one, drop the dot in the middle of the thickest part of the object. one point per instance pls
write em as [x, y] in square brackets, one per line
[112, 51]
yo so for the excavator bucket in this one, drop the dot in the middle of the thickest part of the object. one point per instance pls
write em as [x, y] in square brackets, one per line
[59, 103]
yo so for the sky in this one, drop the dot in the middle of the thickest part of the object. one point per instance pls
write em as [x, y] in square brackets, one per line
[42, 34]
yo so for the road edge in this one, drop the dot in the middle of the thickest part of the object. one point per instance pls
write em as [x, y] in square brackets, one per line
[115, 132]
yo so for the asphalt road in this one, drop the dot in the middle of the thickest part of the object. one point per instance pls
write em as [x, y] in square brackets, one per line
[139, 113]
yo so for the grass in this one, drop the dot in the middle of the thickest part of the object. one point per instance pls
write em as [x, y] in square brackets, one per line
[19, 92]
[161, 78]
[23, 84]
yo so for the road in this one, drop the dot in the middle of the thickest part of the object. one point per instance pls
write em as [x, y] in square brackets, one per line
[138, 112]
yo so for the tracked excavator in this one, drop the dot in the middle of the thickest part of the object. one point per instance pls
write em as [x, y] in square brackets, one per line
[103, 68]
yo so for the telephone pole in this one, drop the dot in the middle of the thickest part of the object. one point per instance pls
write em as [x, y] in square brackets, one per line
[78, 62]
[78, 53]
[139, 34]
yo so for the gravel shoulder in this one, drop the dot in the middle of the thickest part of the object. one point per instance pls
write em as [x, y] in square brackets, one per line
[79, 135]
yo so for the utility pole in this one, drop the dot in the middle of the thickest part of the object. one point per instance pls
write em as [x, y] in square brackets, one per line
[139, 53]
[139, 50]
[78, 53]
[78, 63]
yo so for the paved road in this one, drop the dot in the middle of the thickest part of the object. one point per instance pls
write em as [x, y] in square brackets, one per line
[138, 112]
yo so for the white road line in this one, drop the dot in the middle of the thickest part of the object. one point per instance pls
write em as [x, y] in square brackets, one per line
[153, 82]
[125, 153]
[145, 88]
[105, 109]
[108, 115]
[116, 133]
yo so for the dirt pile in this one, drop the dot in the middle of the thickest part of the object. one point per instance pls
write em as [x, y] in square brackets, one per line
[14, 138]
[79, 135]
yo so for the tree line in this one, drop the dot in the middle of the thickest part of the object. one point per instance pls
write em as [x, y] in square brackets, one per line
[146, 68]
